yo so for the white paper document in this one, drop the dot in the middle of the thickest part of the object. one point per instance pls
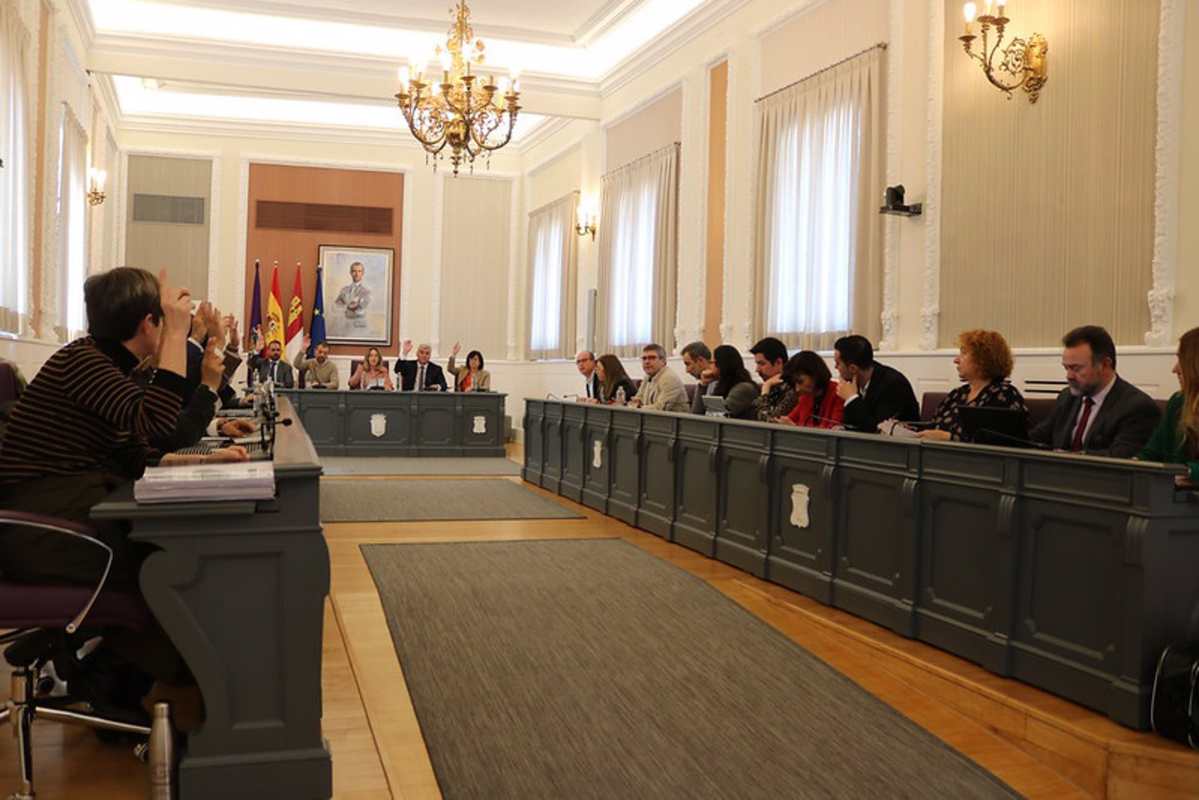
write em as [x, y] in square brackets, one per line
[247, 480]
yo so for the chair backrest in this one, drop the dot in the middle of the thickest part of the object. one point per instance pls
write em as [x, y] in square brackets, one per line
[1039, 408]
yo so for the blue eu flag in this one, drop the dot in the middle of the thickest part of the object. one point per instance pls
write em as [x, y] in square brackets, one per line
[317, 329]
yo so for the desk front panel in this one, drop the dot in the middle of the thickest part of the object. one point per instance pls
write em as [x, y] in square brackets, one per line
[357, 423]
[1070, 573]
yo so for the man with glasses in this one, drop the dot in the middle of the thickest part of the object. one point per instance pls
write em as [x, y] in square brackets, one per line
[1099, 413]
[662, 389]
[585, 362]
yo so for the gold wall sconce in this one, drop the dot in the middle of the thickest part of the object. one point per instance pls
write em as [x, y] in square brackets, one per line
[1022, 61]
[586, 224]
[95, 184]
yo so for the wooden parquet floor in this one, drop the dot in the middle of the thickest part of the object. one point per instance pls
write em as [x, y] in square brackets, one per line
[378, 752]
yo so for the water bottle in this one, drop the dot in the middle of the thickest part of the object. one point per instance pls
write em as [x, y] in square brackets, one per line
[620, 398]
[162, 753]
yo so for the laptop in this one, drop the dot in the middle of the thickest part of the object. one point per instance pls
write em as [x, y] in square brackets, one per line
[1006, 427]
[714, 406]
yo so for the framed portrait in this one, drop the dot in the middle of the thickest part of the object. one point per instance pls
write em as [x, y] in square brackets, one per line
[357, 283]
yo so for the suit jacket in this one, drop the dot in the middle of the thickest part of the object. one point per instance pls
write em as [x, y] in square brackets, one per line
[1122, 426]
[481, 382]
[739, 402]
[262, 369]
[664, 392]
[597, 388]
[888, 395]
[697, 402]
[407, 370]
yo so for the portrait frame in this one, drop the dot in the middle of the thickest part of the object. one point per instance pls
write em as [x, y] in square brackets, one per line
[344, 322]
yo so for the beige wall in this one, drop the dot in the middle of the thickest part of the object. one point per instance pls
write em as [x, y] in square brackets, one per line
[474, 265]
[828, 33]
[181, 248]
[718, 110]
[556, 179]
[1048, 209]
[1186, 309]
[652, 128]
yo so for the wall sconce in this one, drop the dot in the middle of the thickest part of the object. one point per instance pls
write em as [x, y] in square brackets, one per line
[586, 224]
[95, 183]
[1023, 60]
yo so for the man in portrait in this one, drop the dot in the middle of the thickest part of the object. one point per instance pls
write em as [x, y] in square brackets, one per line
[354, 297]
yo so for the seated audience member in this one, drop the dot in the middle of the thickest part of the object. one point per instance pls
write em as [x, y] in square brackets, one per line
[696, 360]
[662, 389]
[1176, 439]
[1099, 413]
[776, 398]
[733, 382]
[371, 374]
[984, 362]
[818, 404]
[80, 430]
[420, 375]
[872, 392]
[585, 363]
[613, 381]
[472, 377]
[272, 367]
[319, 372]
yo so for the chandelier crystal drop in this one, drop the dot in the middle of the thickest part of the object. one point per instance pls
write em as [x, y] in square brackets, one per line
[469, 116]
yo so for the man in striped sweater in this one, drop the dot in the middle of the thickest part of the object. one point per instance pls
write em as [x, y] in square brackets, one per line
[82, 426]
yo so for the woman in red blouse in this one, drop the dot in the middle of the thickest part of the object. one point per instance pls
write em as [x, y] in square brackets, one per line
[819, 405]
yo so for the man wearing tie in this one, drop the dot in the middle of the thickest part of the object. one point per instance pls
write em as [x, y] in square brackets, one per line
[272, 367]
[421, 375]
[585, 362]
[1099, 413]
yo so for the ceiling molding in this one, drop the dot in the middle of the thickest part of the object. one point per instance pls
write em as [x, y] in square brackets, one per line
[602, 20]
[347, 14]
[81, 14]
[672, 39]
[543, 132]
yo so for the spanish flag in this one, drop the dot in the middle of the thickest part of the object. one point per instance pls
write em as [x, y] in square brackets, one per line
[295, 319]
[274, 312]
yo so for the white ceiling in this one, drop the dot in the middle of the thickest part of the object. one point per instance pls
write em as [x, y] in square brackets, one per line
[227, 53]
[551, 20]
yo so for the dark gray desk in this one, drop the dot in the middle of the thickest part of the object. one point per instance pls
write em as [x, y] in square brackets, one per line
[1067, 572]
[358, 423]
[240, 588]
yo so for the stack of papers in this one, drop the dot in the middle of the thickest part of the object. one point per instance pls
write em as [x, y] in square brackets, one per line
[247, 480]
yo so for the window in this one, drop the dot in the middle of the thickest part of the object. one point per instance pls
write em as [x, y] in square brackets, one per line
[638, 254]
[15, 219]
[552, 255]
[71, 213]
[819, 248]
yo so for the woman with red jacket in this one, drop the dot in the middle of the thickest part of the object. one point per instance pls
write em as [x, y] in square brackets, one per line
[819, 405]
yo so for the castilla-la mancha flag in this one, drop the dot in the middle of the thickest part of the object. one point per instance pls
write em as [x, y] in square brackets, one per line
[274, 312]
[295, 320]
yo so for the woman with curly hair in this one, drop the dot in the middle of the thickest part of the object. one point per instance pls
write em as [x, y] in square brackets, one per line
[984, 363]
[1176, 440]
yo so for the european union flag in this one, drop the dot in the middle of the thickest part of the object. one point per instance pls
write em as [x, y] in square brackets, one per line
[317, 329]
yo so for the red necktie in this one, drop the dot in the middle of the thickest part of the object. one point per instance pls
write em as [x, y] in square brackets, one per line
[1083, 419]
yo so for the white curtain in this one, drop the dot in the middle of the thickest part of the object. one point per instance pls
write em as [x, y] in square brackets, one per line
[71, 208]
[553, 257]
[639, 254]
[15, 187]
[818, 249]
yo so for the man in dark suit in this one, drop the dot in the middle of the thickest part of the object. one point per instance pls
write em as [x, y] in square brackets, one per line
[1100, 413]
[273, 367]
[585, 363]
[697, 359]
[421, 375]
[872, 392]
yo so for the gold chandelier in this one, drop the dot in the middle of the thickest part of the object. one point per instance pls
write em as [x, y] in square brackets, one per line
[458, 113]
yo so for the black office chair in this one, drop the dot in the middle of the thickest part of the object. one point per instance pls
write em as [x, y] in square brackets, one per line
[47, 623]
